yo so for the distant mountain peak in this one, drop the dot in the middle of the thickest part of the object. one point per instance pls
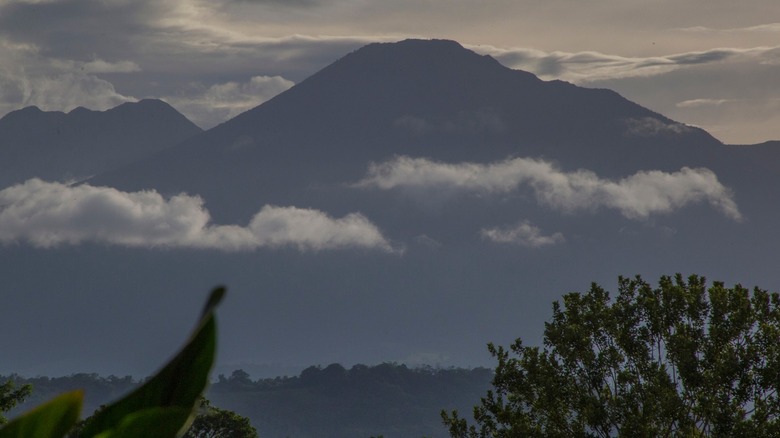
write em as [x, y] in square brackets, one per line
[146, 104]
[30, 109]
[21, 114]
[436, 47]
[54, 145]
[415, 56]
[142, 105]
[417, 98]
[80, 110]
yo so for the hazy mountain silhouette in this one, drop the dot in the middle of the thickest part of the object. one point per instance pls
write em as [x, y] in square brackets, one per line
[59, 146]
[419, 98]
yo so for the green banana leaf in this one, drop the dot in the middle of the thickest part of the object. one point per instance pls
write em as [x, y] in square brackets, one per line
[177, 385]
[52, 419]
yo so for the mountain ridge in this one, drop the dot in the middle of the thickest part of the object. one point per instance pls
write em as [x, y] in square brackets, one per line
[424, 98]
[60, 146]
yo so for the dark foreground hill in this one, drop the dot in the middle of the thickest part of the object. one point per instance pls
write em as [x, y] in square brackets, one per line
[331, 402]
[59, 146]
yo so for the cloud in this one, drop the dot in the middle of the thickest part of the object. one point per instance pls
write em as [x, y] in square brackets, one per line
[588, 66]
[67, 91]
[217, 103]
[695, 103]
[50, 214]
[769, 27]
[314, 230]
[636, 197]
[29, 78]
[759, 116]
[96, 65]
[100, 66]
[523, 234]
[284, 3]
[651, 127]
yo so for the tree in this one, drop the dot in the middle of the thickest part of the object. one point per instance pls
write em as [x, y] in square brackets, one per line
[10, 396]
[682, 359]
[213, 422]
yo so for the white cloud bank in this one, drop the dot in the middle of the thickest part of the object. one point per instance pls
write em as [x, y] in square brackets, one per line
[50, 214]
[637, 196]
[523, 234]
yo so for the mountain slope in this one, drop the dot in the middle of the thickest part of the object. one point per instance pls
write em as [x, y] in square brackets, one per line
[70, 146]
[419, 98]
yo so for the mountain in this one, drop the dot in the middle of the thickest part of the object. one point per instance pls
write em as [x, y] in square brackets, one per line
[418, 98]
[59, 146]
[497, 192]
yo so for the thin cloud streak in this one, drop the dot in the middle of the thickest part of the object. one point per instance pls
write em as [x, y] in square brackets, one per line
[696, 103]
[769, 27]
[636, 197]
[588, 66]
[49, 214]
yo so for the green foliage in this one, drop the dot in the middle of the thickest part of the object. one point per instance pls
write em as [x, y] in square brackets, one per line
[50, 420]
[213, 422]
[10, 396]
[682, 359]
[165, 404]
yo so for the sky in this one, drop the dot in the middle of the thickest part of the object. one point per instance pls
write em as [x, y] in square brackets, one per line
[704, 63]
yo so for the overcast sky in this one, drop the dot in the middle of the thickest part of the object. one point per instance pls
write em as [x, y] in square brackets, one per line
[709, 63]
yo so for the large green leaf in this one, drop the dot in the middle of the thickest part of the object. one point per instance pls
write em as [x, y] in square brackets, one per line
[52, 419]
[154, 422]
[177, 385]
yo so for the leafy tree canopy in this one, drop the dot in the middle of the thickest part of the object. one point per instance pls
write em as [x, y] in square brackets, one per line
[682, 359]
[10, 396]
[213, 422]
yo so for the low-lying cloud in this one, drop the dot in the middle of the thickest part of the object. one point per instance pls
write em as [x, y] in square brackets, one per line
[47, 214]
[636, 197]
[523, 234]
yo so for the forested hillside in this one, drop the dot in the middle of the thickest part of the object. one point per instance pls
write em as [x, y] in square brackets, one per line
[389, 399]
